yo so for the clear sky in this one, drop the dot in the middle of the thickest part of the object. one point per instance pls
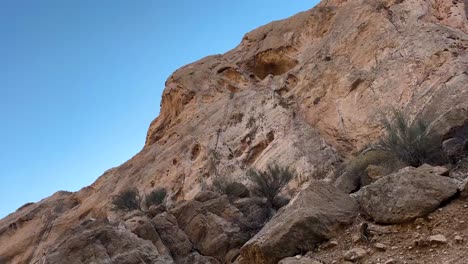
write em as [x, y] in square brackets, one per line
[81, 80]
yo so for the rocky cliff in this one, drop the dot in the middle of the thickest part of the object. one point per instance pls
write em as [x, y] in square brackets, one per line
[304, 92]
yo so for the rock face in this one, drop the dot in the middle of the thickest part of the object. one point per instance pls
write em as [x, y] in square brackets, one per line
[405, 195]
[314, 215]
[301, 92]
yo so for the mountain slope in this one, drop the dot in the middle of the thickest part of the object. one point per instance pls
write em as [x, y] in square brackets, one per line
[301, 92]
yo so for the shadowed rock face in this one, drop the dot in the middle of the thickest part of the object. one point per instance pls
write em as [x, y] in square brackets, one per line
[300, 92]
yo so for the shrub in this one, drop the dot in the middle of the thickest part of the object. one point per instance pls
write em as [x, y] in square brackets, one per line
[357, 167]
[270, 182]
[127, 200]
[156, 197]
[229, 187]
[411, 142]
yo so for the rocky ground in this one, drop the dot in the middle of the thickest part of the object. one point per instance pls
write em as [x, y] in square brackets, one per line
[440, 237]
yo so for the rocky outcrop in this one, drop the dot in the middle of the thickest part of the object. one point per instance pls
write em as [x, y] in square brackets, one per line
[314, 215]
[95, 242]
[302, 92]
[405, 195]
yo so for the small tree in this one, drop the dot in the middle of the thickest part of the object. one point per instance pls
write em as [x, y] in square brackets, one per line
[127, 200]
[270, 182]
[156, 197]
[411, 142]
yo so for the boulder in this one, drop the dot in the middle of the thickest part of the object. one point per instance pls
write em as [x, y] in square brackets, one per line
[206, 196]
[405, 195]
[172, 236]
[98, 242]
[143, 227]
[213, 236]
[255, 210]
[196, 258]
[316, 214]
[154, 210]
[454, 148]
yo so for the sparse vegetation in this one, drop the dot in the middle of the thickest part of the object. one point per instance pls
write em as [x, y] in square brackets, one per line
[411, 142]
[127, 200]
[229, 187]
[270, 182]
[156, 197]
[357, 167]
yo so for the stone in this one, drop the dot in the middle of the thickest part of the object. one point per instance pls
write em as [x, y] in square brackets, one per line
[438, 239]
[196, 258]
[316, 214]
[206, 196]
[405, 195]
[98, 243]
[143, 227]
[454, 148]
[298, 260]
[172, 236]
[458, 239]
[355, 254]
[155, 210]
[380, 246]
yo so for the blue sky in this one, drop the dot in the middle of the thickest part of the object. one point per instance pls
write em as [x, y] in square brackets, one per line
[81, 80]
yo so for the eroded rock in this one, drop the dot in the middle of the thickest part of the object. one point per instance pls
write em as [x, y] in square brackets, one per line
[313, 216]
[405, 195]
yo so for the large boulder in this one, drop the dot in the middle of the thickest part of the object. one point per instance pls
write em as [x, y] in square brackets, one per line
[143, 227]
[99, 242]
[214, 226]
[314, 215]
[405, 195]
[172, 236]
[213, 236]
[255, 210]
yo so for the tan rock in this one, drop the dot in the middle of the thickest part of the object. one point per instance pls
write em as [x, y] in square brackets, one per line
[405, 195]
[316, 214]
[294, 92]
[355, 254]
[439, 239]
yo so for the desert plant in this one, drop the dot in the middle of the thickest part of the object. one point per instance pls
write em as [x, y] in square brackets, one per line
[229, 187]
[270, 182]
[411, 142]
[156, 197]
[127, 200]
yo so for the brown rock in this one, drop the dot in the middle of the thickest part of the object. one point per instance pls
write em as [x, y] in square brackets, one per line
[314, 215]
[172, 236]
[294, 260]
[355, 254]
[438, 239]
[143, 227]
[405, 195]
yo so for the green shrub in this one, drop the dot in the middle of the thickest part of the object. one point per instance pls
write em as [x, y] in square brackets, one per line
[270, 182]
[156, 197]
[411, 142]
[127, 200]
